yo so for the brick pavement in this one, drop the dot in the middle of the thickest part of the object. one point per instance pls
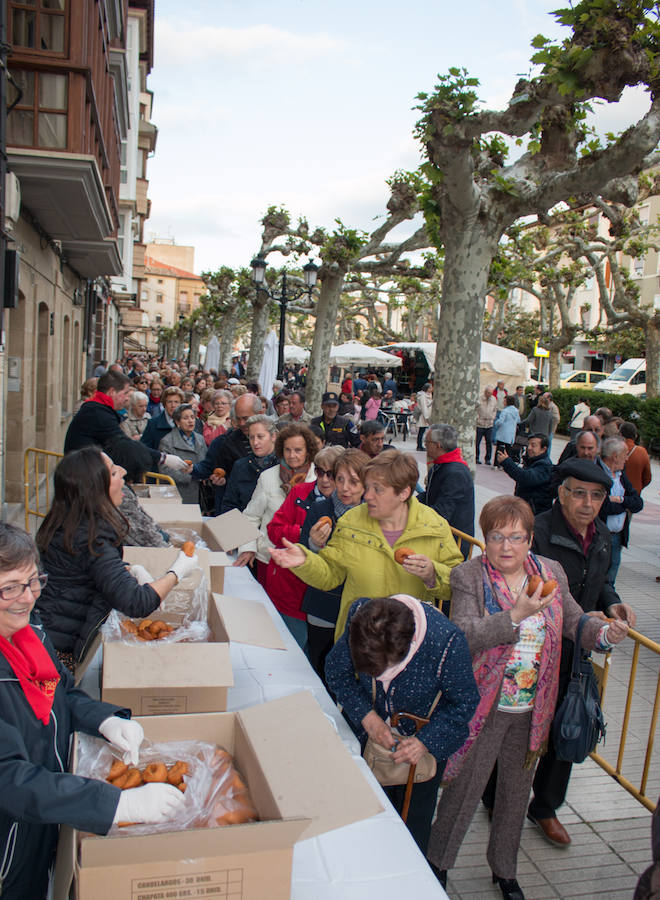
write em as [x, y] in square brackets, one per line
[610, 829]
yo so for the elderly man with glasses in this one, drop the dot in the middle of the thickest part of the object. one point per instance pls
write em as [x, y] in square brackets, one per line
[573, 534]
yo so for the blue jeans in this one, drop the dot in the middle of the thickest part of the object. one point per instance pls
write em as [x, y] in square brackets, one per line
[616, 557]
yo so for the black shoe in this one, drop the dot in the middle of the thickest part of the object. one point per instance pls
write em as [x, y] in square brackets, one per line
[478, 462]
[440, 874]
[510, 888]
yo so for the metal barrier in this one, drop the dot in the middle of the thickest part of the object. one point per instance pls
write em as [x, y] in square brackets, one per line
[158, 478]
[616, 771]
[34, 456]
[472, 541]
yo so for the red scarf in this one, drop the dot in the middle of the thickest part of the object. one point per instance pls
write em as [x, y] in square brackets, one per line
[100, 397]
[34, 669]
[451, 456]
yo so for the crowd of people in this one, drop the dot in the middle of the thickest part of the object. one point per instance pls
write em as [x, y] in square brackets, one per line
[367, 562]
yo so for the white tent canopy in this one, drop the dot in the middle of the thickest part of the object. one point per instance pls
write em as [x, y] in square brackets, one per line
[353, 353]
[213, 354]
[268, 372]
[295, 354]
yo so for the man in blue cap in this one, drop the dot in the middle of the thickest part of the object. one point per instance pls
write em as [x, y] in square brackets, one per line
[337, 429]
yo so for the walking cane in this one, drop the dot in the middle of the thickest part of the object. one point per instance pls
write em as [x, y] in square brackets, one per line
[419, 721]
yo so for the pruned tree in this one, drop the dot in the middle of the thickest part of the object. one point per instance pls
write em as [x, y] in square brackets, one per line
[225, 308]
[470, 193]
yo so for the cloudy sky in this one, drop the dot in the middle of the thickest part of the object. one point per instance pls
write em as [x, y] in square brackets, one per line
[309, 104]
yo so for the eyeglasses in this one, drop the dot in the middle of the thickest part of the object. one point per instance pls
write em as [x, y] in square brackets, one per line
[582, 494]
[16, 591]
[496, 538]
[323, 473]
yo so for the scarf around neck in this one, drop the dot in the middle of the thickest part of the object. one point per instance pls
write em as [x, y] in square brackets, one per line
[489, 665]
[417, 609]
[34, 668]
[103, 399]
[451, 456]
[287, 473]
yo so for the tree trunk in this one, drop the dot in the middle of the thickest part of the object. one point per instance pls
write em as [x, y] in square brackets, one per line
[194, 347]
[653, 357]
[327, 308]
[555, 367]
[227, 335]
[468, 255]
[260, 308]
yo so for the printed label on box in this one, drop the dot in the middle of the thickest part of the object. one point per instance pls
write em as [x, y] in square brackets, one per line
[162, 706]
[226, 883]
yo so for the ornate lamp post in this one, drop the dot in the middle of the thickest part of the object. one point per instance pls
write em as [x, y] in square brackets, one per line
[310, 272]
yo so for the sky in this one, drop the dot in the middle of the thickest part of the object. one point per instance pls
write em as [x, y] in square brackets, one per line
[309, 105]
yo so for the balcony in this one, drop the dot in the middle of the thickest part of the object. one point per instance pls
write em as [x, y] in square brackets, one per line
[141, 200]
[65, 193]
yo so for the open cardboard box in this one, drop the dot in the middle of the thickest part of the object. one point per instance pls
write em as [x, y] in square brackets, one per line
[303, 783]
[166, 678]
[164, 493]
[157, 560]
[225, 532]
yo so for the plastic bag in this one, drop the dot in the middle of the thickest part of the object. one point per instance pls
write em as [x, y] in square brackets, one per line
[179, 537]
[214, 788]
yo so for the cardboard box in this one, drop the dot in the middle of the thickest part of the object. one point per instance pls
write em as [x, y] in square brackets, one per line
[303, 783]
[225, 532]
[165, 493]
[164, 679]
[157, 560]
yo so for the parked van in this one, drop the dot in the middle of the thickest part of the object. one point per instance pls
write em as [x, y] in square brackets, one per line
[581, 378]
[629, 378]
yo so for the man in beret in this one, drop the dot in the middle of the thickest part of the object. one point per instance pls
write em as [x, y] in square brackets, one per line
[337, 429]
[573, 534]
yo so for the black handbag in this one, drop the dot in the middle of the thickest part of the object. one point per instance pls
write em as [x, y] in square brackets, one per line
[579, 724]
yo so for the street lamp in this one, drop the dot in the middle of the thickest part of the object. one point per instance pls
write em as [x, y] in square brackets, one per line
[310, 272]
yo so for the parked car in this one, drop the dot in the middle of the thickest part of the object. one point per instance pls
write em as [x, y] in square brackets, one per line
[581, 378]
[629, 378]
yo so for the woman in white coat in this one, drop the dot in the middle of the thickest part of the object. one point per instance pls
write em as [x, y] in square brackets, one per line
[424, 402]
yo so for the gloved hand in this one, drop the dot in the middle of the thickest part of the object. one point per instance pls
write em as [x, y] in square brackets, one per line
[184, 565]
[140, 574]
[125, 734]
[152, 804]
[176, 463]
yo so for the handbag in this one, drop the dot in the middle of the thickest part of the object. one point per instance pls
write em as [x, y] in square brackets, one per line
[579, 724]
[379, 758]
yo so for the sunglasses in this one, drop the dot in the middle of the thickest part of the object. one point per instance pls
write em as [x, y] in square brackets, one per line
[324, 473]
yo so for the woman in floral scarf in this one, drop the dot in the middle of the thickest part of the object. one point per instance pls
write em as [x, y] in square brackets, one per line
[515, 641]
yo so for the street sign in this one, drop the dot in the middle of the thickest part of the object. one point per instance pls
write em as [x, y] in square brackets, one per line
[539, 351]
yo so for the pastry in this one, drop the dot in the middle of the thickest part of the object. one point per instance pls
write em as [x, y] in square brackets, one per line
[155, 772]
[325, 520]
[402, 554]
[188, 548]
[116, 769]
[219, 473]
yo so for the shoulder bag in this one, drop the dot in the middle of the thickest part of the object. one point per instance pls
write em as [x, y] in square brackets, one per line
[579, 725]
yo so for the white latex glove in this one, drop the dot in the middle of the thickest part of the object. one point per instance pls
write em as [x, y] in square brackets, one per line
[176, 463]
[152, 804]
[140, 574]
[125, 735]
[183, 565]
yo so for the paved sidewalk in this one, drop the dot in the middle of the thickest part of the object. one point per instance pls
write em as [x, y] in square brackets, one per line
[610, 829]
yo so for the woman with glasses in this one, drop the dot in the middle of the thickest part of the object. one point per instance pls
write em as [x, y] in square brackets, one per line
[40, 708]
[218, 420]
[80, 542]
[515, 640]
[186, 443]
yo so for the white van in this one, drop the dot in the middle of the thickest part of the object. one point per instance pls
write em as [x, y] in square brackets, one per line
[629, 378]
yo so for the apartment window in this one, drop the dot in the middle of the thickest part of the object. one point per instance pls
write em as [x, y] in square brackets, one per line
[159, 298]
[123, 172]
[38, 24]
[638, 266]
[40, 118]
[160, 281]
[159, 319]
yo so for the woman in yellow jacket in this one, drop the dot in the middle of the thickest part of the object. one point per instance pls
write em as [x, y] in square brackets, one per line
[361, 551]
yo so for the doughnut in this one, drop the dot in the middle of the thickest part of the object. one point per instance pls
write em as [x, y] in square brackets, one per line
[298, 479]
[133, 779]
[548, 587]
[237, 784]
[176, 773]
[155, 772]
[144, 624]
[533, 583]
[116, 769]
[144, 636]
[188, 548]
[182, 787]
[219, 473]
[128, 626]
[157, 627]
[121, 781]
[325, 520]
[188, 462]
[236, 816]
[402, 554]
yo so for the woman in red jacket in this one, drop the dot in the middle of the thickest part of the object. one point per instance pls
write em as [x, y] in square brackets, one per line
[284, 588]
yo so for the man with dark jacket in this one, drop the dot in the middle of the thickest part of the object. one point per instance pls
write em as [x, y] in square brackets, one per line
[533, 479]
[591, 423]
[98, 422]
[337, 429]
[572, 533]
[622, 502]
[160, 426]
[227, 448]
[449, 487]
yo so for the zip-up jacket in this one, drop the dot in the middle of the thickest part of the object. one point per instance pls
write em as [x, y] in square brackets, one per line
[37, 793]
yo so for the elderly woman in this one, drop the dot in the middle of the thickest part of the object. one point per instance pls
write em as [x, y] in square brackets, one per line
[218, 421]
[361, 550]
[159, 426]
[515, 640]
[183, 441]
[87, 390]
[321, 608]
[398, 654]
[80, 541]
[135, 423]
[246, 471]
[295, 449]
[40, 708]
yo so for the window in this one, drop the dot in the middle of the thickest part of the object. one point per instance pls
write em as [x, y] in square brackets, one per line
[638, 266]
[38, 24]
[123, 172]
[640, 378]
[40, 118]
[159, 319]
[159, 298]
[160, 281]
